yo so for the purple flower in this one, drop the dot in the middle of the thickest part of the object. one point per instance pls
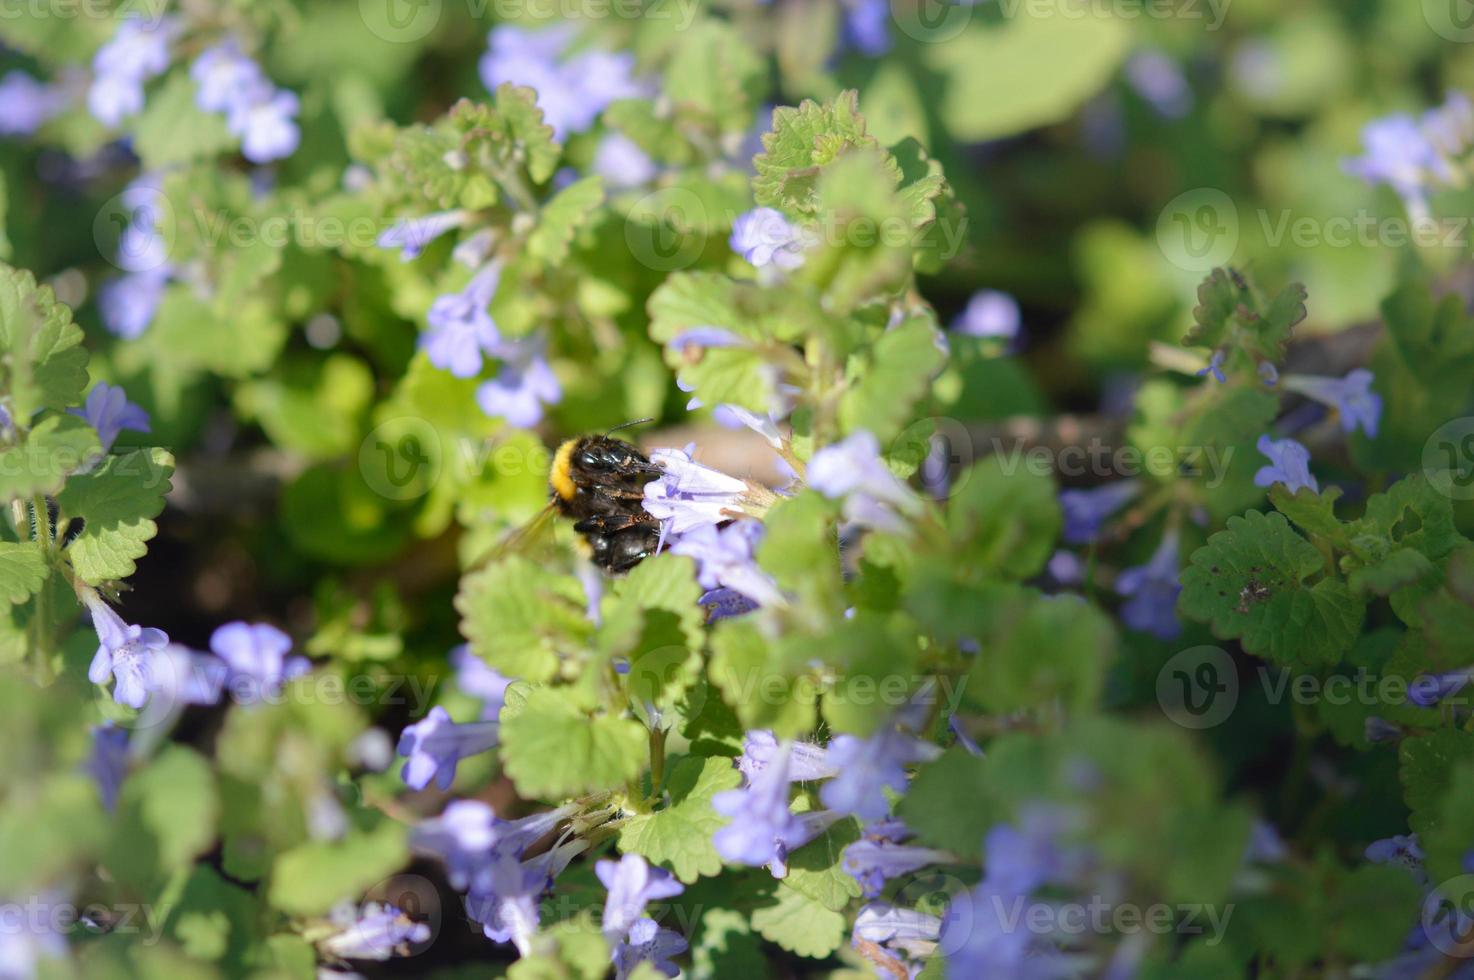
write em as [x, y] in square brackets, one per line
[872, 861]
[622, 164]
[764, 237]
[1159, 80]
[478, 680]
[182, 676]
[1430, 689]
[137, 52]
[1215, 367]
[649, 943]
[1086, 511]
[108, 763]
[632, 885]
[688, 495]
[1400, 852]
[468, 834]
[725, 604]
[737, 417]
[461, 329]
[1265, 844]
[703, 337]
[1066, 568]
[518, 393]
[124, 652]
[980, 940]
[1450, 129]
[109, 411]
[1153, 589]
[504, 900]
[225, 77]
[990, 313]
[462, 837]
[867, 26]
[910, 934]
[265, 119]
[128, 304]
[256, 657]
[376, 932]
[1376, 729]
[1268, 373]
[760, 814]
[26, 103]
[1399, 153]
[869, 766]
[31, 939]
[806, 762]
[853, 470]
[434, 746]
[1352, 397]
[724, 559]
[411, 235]
[571, 92]
[1289, 463]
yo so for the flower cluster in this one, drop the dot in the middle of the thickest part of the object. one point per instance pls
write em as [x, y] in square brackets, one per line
[1416, 155]
[260, 114]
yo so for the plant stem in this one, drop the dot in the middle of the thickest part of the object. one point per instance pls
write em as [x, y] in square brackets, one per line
[40, 629]
[657, 760]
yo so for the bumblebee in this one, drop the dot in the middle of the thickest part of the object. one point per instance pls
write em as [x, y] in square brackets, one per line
[599, 483]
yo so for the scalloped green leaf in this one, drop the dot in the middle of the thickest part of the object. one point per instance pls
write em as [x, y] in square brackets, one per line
[1252, 582]
[523, 618]
[678, 836]
[116, 503]
[552, 750]
[23, 570]
[561, 217]
[44, 360]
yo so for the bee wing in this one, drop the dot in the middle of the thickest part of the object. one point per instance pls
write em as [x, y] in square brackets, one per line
[533, 538]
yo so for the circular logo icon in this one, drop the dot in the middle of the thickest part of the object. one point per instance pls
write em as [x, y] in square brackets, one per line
[942, 450]
[135, 230]
[1198, 688]
[399, 21]
[1452, 20]
[1448, 917]
[1198, 230]
[1448, 459]
[666, 229]
[931, 21]
[401, 459]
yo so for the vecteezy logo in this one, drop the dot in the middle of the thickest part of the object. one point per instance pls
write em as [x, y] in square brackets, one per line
[1198, 688]
[1452, 20]
[399, 21]
[1448, 459]
[1199, 229]
[931, 21]
[135, 230]
[401, 459]
[1448, 917]
[666, 230]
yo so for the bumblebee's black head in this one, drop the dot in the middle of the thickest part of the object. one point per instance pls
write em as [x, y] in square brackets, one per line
[598, 462]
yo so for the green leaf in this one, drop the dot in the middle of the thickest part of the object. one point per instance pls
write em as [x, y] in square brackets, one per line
[799, 924]
[552, 750]
[1049, 59]
[1229, 314]
[172, 130]
[865, 251]
[768, 684]
[1250, 582]
[311, 878]
[1426, 764]
[23, 570]
[116, 503]
[817, 871]
[561, 218]
[893, 377]
[1314, 513]
[45, 362]
[679, 835]
[522, 133]
[523, 619]
[802, 142]
[59, 445]
[1003, 518]
[948, 803]
[713, 71]
[167, 815]
[1048, 652]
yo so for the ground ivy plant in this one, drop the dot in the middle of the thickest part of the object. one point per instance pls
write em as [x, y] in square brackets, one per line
[1113, 620]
